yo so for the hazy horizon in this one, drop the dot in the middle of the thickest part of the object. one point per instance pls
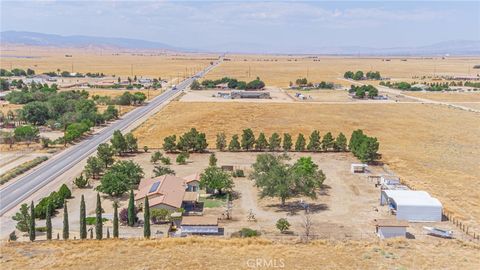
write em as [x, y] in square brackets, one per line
[256, 26]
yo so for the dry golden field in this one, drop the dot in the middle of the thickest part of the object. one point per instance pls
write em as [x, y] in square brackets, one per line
[111, 62]
[431, 147]
[448, 96]
[280, 70]
[210, 253]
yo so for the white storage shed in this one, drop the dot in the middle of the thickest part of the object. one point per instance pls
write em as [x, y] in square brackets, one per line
[412, 205]
[358, 168]
[199, 225]
[387, 228]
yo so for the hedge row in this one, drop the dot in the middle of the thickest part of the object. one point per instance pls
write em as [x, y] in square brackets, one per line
[4, 178]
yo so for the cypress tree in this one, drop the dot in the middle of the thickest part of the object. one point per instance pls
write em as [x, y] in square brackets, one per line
[131, 210]
[115, 220]
[66, 233]
[83, 220]
[108, 233]
[49, 222]
[91, 233]
[98, 221]
[146, 219]
[31, 230]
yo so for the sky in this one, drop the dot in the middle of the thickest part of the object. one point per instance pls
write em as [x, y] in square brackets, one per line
[280, 26]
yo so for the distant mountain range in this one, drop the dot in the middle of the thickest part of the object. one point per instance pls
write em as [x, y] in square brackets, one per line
[456, 47]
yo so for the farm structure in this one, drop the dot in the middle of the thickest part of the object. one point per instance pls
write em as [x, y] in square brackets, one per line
[412, 205]
[235, 94]
[358, 168]
[199, 225]
[388, 228]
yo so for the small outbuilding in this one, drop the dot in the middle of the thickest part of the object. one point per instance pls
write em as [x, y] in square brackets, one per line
[199, 225]
[388, 228]
[389, 180]
[412, 205]
[358, 168]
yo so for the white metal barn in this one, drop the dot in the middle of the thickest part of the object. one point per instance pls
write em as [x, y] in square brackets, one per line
[412, 205]
[199, 225]
[387, 228]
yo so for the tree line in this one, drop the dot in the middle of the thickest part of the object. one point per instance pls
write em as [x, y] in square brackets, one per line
[359, 75]
[232, 83]
[194, 141]
[303, 82]
[248, 142]
[25, 219]
[432, 86]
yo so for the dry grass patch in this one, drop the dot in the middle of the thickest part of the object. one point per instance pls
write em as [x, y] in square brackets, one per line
[118, 62]
[427, 145]
[448, 96]
[209, 253]
[286, 69]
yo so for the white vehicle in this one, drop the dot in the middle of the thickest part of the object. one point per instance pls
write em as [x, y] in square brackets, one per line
[439, 232]
[174, 87]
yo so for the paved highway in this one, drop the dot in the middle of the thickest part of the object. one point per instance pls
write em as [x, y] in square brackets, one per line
[16, 192]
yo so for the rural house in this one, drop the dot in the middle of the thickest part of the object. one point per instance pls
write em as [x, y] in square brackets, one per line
[167, 192]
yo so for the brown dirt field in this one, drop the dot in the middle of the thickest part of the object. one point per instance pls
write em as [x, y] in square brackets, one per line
[447, 96]
[110, 62]
[426, 145]
[209, 253]
[285, 68]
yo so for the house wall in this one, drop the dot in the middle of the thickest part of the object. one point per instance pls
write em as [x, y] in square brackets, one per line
[163, 206]
[388, 232]
[193, 186]
[419, 213]
[199, 229]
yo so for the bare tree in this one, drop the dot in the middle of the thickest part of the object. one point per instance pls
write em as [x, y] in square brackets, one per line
[307, 227]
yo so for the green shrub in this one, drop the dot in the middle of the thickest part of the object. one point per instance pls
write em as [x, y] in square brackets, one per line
[247, 232]
[238, 173]
[41, 229]
[93, 220]
[64, 192]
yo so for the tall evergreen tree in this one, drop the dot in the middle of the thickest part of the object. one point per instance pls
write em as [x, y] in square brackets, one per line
[234, 144]
[300, 143]
[31, 230]
[146, 219]
[261, 143]
[327, 142]
[314, 143]
[287, 142]
[131, 210]
[83, 219]
[274, 142]
[221, 142]
[340, 143]
[48, 222]
[66, 233]
[248, 139]
[115, 220]
[98, 220]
